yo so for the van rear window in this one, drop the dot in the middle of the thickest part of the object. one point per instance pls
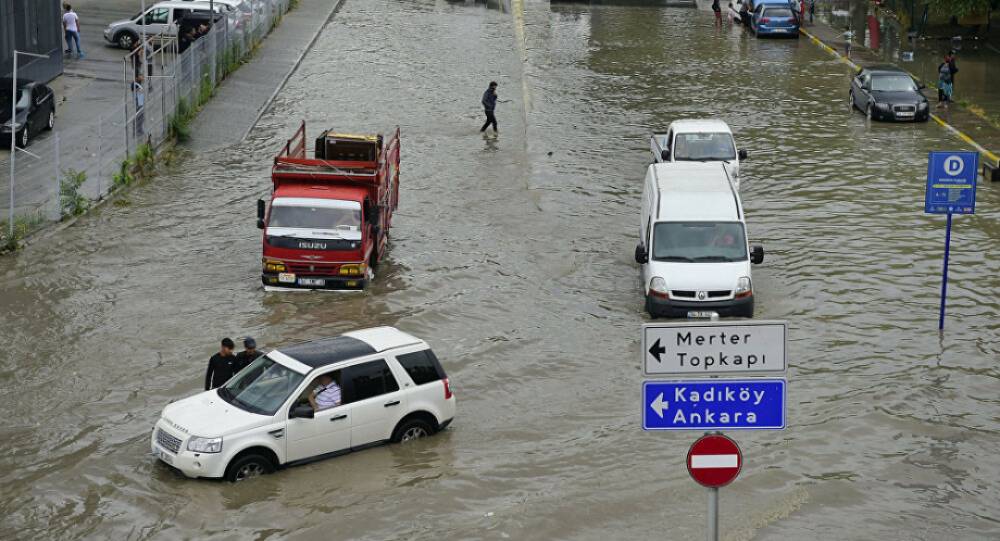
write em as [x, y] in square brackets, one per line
[422, 366]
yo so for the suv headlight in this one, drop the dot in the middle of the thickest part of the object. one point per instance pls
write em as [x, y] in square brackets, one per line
[205, 445]
[658, 287]
[743, 287]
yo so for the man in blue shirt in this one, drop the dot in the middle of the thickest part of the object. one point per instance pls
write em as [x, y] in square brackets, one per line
[490, 104]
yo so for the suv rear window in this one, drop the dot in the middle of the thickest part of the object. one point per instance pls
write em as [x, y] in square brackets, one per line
[422, 366]
[367, 380]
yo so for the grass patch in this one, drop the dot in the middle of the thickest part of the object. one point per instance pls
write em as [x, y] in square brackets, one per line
[22, 226]
[71, 201]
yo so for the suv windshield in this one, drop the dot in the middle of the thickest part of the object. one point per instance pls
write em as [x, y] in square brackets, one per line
[316, 217]
[699, 242]
[704, 146]
[261, 387]
[893, 83]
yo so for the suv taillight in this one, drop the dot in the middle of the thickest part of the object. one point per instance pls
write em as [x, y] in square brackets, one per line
[447, 389]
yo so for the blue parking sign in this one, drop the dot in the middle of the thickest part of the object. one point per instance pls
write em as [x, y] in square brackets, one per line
[951, 183]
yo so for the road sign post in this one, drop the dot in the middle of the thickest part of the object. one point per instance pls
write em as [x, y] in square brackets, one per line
[951, 189]
[714, 461]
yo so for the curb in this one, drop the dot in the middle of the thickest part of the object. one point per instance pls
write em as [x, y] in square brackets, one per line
[957, 132]
[284, 80]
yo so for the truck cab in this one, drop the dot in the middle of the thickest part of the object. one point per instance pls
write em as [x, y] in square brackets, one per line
[693, 244]
[699, 141]
[327, 223]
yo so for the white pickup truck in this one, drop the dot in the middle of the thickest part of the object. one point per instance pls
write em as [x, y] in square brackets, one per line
[699, 141]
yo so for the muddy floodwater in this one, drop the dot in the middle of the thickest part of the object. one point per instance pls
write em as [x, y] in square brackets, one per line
[512, 257]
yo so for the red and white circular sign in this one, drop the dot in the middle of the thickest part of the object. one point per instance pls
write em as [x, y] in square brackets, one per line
[714, 461]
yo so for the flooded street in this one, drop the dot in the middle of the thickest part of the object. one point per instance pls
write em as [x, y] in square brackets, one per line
[513, 257]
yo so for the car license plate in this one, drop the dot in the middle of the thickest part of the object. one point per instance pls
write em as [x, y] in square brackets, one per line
[905, 113]
[163, 456]
[312, 282]
[780, 30]
[703, 315]
[286, 277]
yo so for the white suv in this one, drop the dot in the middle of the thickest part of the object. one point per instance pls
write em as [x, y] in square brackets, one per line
[393, 389]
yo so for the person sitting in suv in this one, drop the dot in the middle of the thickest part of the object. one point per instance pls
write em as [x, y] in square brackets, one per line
[326, 394]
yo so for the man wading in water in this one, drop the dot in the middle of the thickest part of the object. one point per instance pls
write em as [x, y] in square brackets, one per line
[490, 104]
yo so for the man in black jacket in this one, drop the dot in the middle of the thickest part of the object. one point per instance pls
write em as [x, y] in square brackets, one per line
[490, 104]
[248, 355]
[221, 366]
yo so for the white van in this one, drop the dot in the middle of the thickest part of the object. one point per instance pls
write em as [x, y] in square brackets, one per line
[699, 141]
[389, 387]
[693, 243]
[159, 21]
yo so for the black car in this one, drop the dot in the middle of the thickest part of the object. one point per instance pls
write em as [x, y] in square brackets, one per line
[35, 110]
[888, 93]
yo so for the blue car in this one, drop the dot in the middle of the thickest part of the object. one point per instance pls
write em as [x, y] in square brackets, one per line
[774, 19]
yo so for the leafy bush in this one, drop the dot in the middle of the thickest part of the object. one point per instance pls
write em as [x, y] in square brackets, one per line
[72, 202]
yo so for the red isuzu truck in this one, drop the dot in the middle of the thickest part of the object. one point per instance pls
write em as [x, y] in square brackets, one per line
[327, 224]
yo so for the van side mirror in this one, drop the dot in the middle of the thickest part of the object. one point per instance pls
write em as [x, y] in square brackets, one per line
[641, 257]
[302, 411]
[757, 254]
[743, 154]
[665, 154]
[261, 207]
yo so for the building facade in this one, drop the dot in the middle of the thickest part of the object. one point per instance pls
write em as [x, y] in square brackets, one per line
[33, 26]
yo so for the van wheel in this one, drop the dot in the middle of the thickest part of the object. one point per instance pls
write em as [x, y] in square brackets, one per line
[248, 467]
[414, 429]
[126, 40]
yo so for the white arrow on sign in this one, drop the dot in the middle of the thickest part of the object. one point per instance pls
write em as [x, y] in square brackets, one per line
[659, 405]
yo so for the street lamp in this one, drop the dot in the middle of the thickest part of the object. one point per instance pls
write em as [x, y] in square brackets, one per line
[13, 138]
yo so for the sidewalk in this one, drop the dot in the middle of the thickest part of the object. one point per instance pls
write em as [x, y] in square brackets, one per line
[974, 127]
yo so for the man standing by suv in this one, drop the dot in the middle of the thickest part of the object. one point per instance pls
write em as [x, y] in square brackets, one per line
[221, 366]
[248, 355]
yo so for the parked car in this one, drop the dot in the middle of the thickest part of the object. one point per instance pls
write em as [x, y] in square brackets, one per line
[35, 110]
[888, 93]
[159, 21]
[392, 389]
[693, 244]
[774, 19]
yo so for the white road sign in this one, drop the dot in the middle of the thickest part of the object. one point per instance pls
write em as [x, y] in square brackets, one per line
[714, 347]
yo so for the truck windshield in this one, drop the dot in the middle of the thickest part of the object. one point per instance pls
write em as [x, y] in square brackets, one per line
[704, 146]
[261, 387]
[699, 242]
[316, 217]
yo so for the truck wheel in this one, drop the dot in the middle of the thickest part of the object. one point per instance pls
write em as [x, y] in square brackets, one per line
[248, 467]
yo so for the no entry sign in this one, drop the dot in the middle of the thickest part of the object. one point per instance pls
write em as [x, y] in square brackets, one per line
[714, 461]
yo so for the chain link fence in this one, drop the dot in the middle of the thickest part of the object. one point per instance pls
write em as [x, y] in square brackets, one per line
[65, 173]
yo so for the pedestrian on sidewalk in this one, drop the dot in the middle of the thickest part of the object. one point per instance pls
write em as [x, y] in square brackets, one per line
[140, 104]
[490, 105]
[220, 366]
[248, 355]
[952, 67]
[848, 36]
[945, 79]
[71, 29]
[812, 11]
[718, 12]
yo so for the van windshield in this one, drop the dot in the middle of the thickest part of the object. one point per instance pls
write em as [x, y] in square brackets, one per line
[704, 147]
[699, 242]
[261, 387]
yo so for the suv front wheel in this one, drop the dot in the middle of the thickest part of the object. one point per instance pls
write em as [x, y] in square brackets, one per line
[248, 467]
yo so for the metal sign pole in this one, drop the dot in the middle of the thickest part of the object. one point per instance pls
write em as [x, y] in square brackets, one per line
[713, 514]
[944, 274]
[13, 150]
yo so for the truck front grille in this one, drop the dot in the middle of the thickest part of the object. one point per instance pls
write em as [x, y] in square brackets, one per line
[318, 269]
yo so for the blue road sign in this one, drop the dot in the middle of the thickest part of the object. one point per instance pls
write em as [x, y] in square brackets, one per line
[951, 183]
[723, 404]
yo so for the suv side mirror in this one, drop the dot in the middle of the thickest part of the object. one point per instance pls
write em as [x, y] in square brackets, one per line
[302, 411]
[921, 86]
[743, 154]
[665, 154]
[757, 254]
[641, 257]
[260, 213]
